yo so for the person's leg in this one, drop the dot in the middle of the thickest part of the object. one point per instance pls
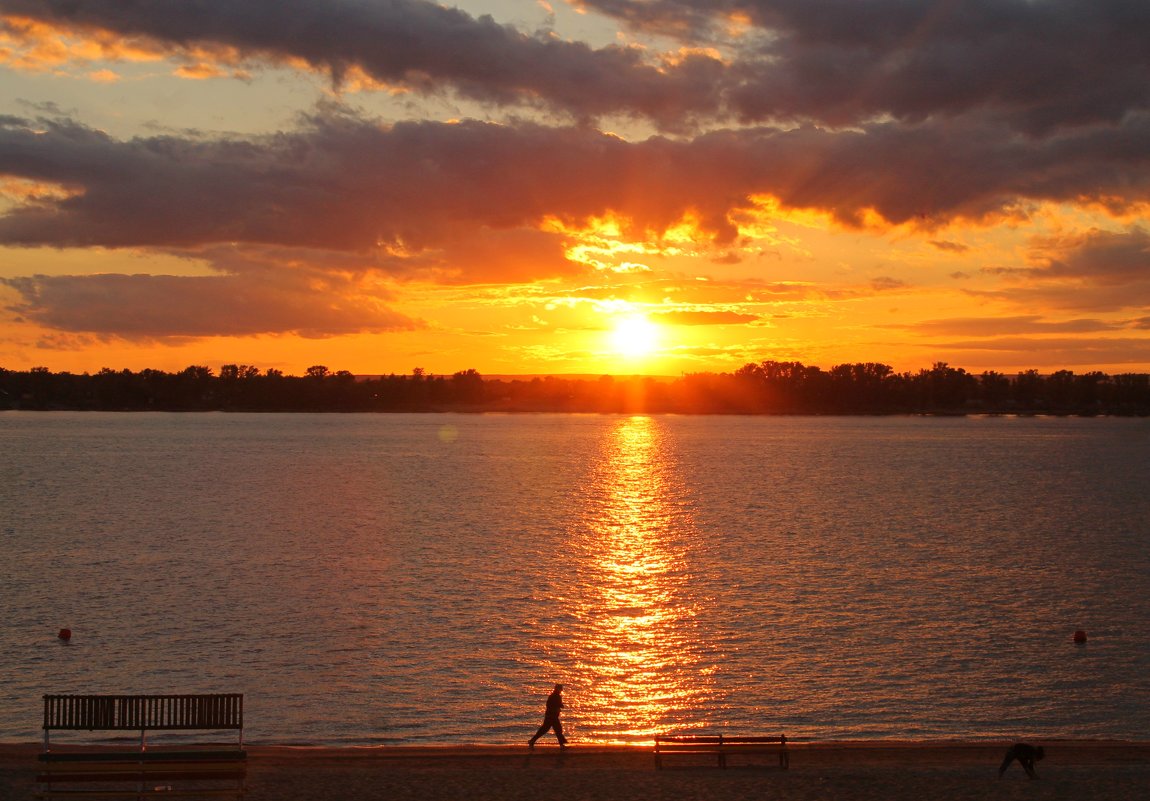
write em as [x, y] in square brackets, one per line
[1006, 762]
[559, 733]
[542, 730]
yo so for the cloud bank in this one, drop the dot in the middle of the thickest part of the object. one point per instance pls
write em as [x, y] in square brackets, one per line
[343, 182]
[1038, 66]
[470, 202]
[921, 113]
[149, 307]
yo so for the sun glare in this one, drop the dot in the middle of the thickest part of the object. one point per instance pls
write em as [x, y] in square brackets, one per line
[634, 336]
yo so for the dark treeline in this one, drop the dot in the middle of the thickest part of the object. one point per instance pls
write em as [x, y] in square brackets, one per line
[766, 388]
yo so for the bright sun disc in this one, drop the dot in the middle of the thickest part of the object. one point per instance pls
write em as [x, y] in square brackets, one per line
[635, 336]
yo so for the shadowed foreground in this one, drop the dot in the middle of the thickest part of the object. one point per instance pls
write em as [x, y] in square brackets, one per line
[867, 772]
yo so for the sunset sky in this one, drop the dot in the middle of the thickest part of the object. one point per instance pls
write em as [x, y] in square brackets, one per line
[596, 186]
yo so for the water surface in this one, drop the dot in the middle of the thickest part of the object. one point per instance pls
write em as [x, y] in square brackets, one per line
[426, 578]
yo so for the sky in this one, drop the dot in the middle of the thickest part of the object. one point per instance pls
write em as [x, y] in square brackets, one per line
[588, 187]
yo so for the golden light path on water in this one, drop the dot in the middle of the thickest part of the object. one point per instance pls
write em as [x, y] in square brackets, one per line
[637, 649]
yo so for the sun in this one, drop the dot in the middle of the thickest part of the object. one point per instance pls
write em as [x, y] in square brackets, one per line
[634, 336]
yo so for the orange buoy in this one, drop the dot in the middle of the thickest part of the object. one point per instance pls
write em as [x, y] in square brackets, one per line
[65, 634]
[1080, 636]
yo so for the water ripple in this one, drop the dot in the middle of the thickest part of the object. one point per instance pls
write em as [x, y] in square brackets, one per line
[823, 577]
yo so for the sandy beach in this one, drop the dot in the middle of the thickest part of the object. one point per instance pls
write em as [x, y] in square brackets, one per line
[1073, 771]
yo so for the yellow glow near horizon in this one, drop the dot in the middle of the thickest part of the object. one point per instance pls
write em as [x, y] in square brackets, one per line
[635, 337]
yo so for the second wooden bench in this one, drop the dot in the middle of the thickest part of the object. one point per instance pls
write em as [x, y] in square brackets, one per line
[721, 747]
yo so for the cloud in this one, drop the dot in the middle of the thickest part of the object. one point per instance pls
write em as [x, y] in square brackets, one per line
[343, 182]
[200, 72]
[730, 257]
[462, 200]
[103, 76]
[487, 255]
[342, 197]
[1075, 299]
[705, 317]
[949, 247]
[1093, 271]
[38, 46]
[887, 284]
[1000, 326]
[913, 113]
[414, 44]
[147, 307]
[1041, 66]
[1103, 257]
[1054, 353]
[727, 294]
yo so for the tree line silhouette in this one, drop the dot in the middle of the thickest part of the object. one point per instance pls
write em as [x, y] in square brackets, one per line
[768, 387]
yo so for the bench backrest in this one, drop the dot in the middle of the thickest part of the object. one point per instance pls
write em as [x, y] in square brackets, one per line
[663, 741]
[143, 712]
[688, 739]
[781, 739]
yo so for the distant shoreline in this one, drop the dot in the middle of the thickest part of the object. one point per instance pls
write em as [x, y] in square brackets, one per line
[471, 411]
[770, 388]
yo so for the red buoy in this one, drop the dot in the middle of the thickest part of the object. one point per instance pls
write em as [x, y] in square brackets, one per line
[65, 634]
[1080, 636]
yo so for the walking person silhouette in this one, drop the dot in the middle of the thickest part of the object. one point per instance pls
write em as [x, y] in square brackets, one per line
[551, 718]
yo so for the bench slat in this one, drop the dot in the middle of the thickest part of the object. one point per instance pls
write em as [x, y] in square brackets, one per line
[137, 776]
[143, 712]
[142, 756]
[125, 766]
[197, 791]
[755, 740]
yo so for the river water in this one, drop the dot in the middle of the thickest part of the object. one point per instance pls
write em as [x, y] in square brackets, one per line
[406, 579]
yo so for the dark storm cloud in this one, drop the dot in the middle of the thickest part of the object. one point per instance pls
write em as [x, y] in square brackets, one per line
[145, 307]
[340, 182]
[1042, 65]
[411, 43]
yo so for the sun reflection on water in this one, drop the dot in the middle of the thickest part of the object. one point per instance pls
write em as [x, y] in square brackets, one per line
[637, 650]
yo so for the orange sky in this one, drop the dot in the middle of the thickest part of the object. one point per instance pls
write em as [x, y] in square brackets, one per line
[601, 187]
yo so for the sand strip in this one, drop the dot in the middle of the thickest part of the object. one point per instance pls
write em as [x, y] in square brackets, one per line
[856, 771]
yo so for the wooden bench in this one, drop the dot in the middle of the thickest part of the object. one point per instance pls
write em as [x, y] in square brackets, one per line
[720, 746]
[137, 770]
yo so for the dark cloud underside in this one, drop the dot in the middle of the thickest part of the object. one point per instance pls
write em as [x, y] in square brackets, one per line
[1039, 65]
[148, 307]
[344, 183]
